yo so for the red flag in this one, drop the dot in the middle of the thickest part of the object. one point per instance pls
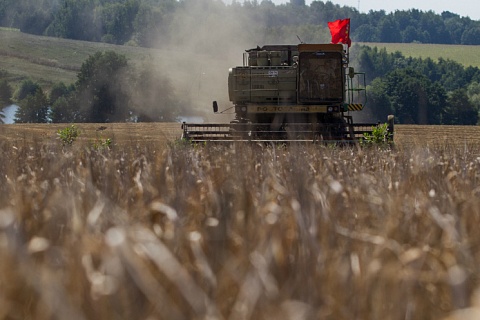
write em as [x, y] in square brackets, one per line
[340, 30]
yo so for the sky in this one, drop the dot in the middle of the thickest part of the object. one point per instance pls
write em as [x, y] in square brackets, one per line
[470, 8]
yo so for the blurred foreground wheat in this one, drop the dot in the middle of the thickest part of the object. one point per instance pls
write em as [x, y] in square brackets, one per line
[238, 232]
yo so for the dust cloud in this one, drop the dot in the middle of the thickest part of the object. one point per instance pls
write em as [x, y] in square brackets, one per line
[205, 39]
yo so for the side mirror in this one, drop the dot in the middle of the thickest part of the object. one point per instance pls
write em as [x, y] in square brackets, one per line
[215, 107]
[351, 72]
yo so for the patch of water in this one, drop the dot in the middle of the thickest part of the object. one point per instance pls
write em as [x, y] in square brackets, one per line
[9, 113]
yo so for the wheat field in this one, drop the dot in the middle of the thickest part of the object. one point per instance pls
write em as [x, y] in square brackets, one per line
[151, 228]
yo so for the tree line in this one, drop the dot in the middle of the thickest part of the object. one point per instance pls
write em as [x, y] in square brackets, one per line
[420, 91]
[107, 89]
[143, 22]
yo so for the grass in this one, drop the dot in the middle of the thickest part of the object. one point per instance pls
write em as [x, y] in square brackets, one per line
[49, 60]
[9, 29]
[166, 231]
[463, 54]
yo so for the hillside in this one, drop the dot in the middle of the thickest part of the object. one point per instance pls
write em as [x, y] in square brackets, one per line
[48, 60]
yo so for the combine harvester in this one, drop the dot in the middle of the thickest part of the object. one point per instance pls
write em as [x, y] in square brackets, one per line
[287, 93]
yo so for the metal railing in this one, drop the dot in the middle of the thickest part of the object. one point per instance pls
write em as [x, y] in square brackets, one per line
[292, 132]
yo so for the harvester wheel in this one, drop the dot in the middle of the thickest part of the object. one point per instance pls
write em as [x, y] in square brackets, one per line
[239, 129]
[335, 129]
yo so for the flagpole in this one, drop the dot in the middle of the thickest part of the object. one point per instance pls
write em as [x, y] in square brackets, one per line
[346, 48]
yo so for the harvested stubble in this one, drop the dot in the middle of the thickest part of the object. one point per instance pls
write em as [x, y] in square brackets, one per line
[240, 232]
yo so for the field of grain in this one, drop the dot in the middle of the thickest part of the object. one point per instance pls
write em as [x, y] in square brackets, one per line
[155, 229]
[124, 133]
[464, 54]
[120, 133]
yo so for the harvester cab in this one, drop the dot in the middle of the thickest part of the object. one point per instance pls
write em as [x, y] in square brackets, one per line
[302, 92]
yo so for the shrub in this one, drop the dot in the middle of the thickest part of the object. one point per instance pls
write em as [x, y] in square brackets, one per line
[68, 135]
[102, 144]
[379, 135]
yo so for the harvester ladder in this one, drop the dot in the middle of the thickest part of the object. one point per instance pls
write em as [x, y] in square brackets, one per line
[356, 89]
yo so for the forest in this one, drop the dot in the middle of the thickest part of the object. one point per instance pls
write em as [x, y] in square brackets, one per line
[416, 90]
[137, 21]
[420, 91]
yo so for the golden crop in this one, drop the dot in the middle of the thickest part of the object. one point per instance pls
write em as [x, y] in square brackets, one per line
[148, 231]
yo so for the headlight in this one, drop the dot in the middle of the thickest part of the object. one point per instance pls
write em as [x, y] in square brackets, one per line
[244, 109]
[330, 109]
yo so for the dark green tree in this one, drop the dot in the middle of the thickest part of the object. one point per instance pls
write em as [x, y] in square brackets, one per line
[59, 90]
[298, 2]
[5, 94]
[75, 19]
[117, 20]
[473, 93]
[379, 104]
[452, 74]
[459, 110]
[366, 33]
[64, 105]
[27, 87]
[471, 36]
[377, 63]
[455, 26]
[101, 88]
[33, 108]
[27, 15]
[66, 109]
[415, 98]
[412, 34]
[388, 30]
[435, 26]
[146, 24]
